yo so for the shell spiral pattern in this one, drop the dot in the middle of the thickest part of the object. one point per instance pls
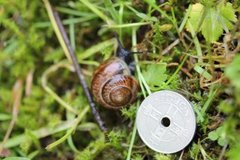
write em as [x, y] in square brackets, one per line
[112, 84]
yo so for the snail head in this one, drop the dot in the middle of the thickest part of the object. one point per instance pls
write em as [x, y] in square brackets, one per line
[125, 54]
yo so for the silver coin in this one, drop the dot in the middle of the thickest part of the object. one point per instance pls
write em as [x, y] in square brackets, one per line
[166, 121]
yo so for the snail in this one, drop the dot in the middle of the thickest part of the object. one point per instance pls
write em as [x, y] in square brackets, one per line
[113, 85]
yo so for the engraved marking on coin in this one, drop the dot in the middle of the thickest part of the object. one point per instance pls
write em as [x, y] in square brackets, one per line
[166, 122]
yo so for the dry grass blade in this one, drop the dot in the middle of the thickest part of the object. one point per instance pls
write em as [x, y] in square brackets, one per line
[16, 98]
[29, 83]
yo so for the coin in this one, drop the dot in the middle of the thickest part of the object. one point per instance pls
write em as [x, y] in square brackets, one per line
[166, 121]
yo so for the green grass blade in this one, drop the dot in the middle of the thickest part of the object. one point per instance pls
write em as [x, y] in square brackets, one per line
[97, 11]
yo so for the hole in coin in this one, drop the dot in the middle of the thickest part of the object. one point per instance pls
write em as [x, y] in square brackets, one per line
[165, 121]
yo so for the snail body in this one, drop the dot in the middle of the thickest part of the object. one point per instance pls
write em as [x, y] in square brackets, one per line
[113, 86]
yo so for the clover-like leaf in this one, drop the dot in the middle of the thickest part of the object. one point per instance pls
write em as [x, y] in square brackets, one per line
[218, 135]
[211, 21]
[213, 135]
[155, 74]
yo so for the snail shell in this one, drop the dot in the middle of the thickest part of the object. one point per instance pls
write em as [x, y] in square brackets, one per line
[112, 84]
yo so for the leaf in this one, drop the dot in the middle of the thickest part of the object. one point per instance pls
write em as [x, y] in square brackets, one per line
[211, 21]
[234, 153]
[233, 72]
[160, 156]
[221, 141]
[115, 138]
[213, 135]
[155, 74]
[195, 15]
[226, 107]
[110, 8]
[211, 27]
[91, 151]
[219, 135]
[203, 72]
[165, 27]
[146, 17]
[195, 149]
[228, 14]
[4, 116]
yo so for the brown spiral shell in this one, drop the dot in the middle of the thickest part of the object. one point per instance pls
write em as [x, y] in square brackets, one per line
[112, 84]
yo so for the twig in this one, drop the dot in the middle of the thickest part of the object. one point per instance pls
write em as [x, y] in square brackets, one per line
[223, 151]
[173, 44]
[79, 73]
[56, 20]
[181, 155]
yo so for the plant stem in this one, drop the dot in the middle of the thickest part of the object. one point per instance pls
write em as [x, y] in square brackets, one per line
[69, 131]
[177, 70]
[141, 78]
[132, 141]
[44, 80]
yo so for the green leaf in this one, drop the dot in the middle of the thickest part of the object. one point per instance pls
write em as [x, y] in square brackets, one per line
[155, 74]
[213, 135]
[146, 17]
[211, 21]
[233, 72]
[226, 107]
[211, 27]
[219, 135]
[203, 72]
[234, 153]
[195, 15]
[195, 149]
[115, 138]
[228, 14]
[137, 157]
[160, 156]
[92, 150]
[110, 8]
[4, 116]
[221, 141]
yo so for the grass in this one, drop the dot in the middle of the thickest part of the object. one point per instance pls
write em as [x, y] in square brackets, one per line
[44, 113]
